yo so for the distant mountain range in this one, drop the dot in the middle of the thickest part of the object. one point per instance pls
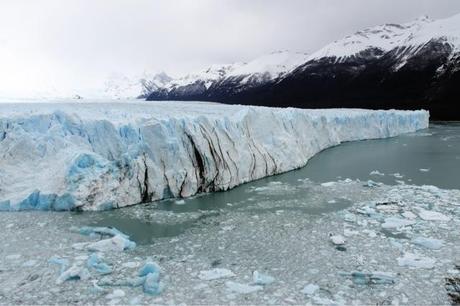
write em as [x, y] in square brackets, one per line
[406, 66]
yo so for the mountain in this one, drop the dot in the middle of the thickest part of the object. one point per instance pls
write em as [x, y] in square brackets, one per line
[230, 79]
[404, 66]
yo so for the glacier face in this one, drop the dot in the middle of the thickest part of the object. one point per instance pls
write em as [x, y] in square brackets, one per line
[95, 156]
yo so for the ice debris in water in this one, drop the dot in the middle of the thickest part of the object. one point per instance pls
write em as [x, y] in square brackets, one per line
[337, 239]
[328, 184]
[62, 262]
[119, 241]
[75, 272]
[377, 172]
[102, 231]
[152, 284]
[429, 215]
[429, 243]
[242, 288]
[117, 293]
[215, 274]
[96, 263]
[395, 223]
[416, 261]
[310, 289]
[149, 267]
[371, 278]
[371, 184]
[151, 272]
[262, 279]
[424, 170]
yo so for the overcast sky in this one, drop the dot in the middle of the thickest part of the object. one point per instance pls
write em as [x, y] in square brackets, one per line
[76, 44]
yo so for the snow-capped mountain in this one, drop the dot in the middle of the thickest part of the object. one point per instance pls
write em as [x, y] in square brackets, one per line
[235, 77]
[411, 65]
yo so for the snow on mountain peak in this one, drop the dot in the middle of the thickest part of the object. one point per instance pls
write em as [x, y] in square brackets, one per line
[388, 36]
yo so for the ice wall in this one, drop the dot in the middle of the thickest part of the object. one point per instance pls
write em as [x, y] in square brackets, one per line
[99, 156]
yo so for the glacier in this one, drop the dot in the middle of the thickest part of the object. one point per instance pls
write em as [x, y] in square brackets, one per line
[98, 155]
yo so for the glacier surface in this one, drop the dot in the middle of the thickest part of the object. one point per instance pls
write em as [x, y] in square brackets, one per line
[96, 156]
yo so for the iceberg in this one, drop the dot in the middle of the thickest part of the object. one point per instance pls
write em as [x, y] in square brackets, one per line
[104, 155]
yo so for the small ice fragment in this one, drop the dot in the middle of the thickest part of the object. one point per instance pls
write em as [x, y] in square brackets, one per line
[310, 289]
[409, 215]
[377, 172]
[29, 263]
[416, 261]
[262, 279]
[398, 175]
[371, 184]
[102, 231]
[179, 202]
[73, 273]
[13, 256]
[152, 284]
[429, 215]
[62, 262]
[242, 288]
[429, 243]
[117, 243]
[424, 170]
[394, 222]
[149, 267]
[96, 263]
[328, 184]
[215, 274]
[117, 293]
[337, 239]
[332, 201]
[130, 264]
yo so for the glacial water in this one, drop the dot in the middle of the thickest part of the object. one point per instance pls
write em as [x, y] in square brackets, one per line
[427, 157]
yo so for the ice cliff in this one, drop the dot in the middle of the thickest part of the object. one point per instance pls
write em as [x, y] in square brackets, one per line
[95, 156]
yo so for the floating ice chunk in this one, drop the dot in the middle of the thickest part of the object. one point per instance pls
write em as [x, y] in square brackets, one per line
[398, 175]
[416, 261]
[130, 264]
[337, 239]
[429, 243]
[394, 222]
[179, 202]
[409, 215]
[13, 256]
[73, 273]
[62, 262]
[242, 288]
[372, 278]
[262, 279]
[115, 294]
[152, 284]
[29, 263]
[429, 215]
[215, 274]
[424, 170]
[117, 243]
[371, 184]
[96, 263]
[328, 184]
[377, 172]
[102, 231]
[310, 289]
[149, 267]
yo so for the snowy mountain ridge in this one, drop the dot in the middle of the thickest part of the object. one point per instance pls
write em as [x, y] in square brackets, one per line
[388, 36]
[409, 66]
